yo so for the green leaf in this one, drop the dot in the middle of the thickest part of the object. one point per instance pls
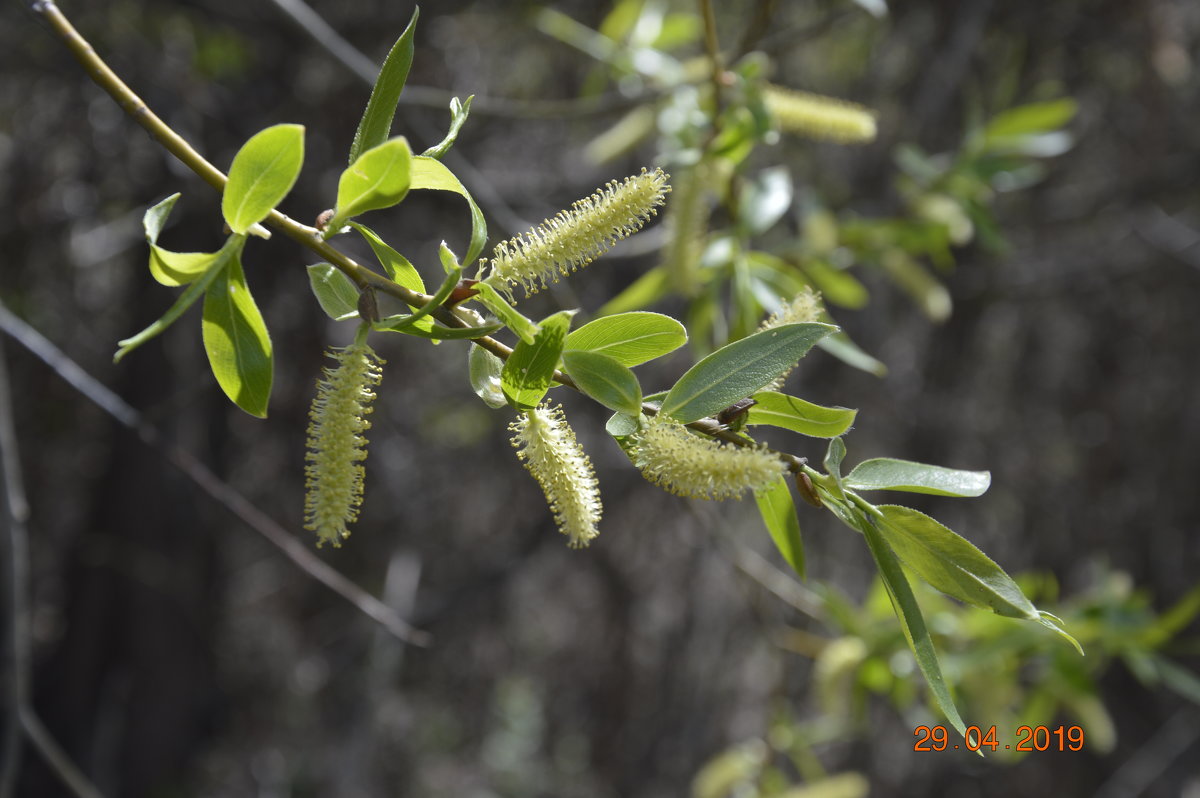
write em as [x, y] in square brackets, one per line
[779, 514]
[485, 370]
[837, 286]
[622, 425]
[376, 123]
[911, 620]
[844, 349]
[951, 563]
[433, 174]
[174, 269]
[233, 246]
[263, 172]
[605, 379]
[630, 338]
[884, 473]
[237, 342]
[378, 179]
[530, 370]
[1030, 119]
[834, 456]
[336, 293]
[650, 287]
[458, 115]
[396, 265]
[790, 412]
[737, 370]
[418, 323]
[155, 217]
[524, 328]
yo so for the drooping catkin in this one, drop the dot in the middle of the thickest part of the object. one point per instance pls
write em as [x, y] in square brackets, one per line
[576, 237]
[546, 444]
[336, 444]
[819, 117]
[689, 465]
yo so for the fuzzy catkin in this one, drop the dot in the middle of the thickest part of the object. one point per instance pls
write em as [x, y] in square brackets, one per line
[819, 117]
[336, 444]
[576, 237]
[546, 444]
[688, 465]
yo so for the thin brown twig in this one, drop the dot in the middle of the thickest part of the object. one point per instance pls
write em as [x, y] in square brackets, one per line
[206, 480]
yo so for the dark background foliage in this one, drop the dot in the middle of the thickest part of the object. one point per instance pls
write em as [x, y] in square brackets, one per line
[178, 654]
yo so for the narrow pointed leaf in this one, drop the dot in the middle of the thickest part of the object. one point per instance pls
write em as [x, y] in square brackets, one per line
[237, 342]
[789, 412]
[740, 369]
[155, 218]
[844, 349]
[833, 462]
[630, 338]
[396, 265]
[605, 379]
[188, 298]
[376, 123]
[263, 172]
[884, 473]
[336, 293]
[911, 621]
[378, 179]
[530, 370]
[459, 109]
[431, 173]
[524, 328]
[951, 563]
[779, 514]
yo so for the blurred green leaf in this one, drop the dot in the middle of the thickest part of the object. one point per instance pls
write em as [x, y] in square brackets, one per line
[263, 172]
[649, 288]
[376, 123]
[766, 199]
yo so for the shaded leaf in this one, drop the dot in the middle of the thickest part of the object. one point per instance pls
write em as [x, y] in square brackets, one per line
[485, 369]
[605, 379]
[778, 512]
[336, 293]
[790, 412]
[737, 370]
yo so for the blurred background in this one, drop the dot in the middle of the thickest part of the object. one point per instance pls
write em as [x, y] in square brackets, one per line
[1029, 278]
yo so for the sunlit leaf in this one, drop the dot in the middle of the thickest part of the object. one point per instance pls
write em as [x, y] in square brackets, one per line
[263, 172]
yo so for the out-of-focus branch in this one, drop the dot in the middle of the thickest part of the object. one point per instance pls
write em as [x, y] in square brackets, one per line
[207, 481]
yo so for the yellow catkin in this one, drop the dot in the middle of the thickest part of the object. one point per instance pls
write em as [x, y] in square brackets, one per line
[576, 237]
[804, 307]
[819, 117]
[547, 446]
[689, 465]
[336, 445]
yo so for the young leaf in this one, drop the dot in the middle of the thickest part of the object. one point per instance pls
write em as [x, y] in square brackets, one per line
[458, 115]
[833, 461]
[790, 412]
[237, 342]
[169, 268]
[433, 174]
[335, 292]
[779, 514]
[605, 379]
[378, 179]
[630, 338]
[884, 473]
[524, 328]
[396, 265]
[951, 563]
[155, 217]
[233, 245]
[485, 369]
[739, 369]
[263, 172]
[530, 370]
[376, 123]
[911, 620]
